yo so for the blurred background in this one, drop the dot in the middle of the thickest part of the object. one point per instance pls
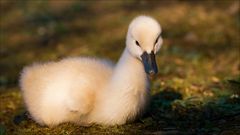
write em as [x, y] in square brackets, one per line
[199, 62]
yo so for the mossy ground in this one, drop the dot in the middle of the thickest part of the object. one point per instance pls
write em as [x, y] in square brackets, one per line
[198, 86]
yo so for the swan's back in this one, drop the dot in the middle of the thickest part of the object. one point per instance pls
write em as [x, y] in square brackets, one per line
[68, 85]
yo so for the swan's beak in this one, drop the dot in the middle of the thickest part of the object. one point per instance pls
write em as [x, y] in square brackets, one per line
[149, 63]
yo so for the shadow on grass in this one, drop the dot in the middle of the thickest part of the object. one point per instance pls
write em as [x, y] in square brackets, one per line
[170, 114]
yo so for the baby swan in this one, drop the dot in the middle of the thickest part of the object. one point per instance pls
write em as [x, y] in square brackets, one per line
[88, 90]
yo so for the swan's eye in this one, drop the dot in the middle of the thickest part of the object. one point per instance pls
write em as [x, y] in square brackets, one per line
[137, 43]
[157, 39]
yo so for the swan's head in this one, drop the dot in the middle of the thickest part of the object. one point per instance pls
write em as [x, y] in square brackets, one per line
[144, 41]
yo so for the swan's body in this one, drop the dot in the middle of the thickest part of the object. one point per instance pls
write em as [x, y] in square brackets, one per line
[87, 90]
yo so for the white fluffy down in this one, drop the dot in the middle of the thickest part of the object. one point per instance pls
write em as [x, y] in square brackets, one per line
[89, 90]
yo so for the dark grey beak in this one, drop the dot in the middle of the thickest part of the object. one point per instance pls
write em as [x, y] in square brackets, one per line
[149, 63]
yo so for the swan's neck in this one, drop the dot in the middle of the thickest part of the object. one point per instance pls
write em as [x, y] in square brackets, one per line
[129, 74]
[126, 94]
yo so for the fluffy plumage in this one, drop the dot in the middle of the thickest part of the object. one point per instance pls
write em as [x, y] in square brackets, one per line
[88, 90]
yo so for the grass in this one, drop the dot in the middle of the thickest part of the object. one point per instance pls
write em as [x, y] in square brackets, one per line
[198, 86]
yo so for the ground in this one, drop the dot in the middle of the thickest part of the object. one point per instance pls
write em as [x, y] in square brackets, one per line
[198, 86]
